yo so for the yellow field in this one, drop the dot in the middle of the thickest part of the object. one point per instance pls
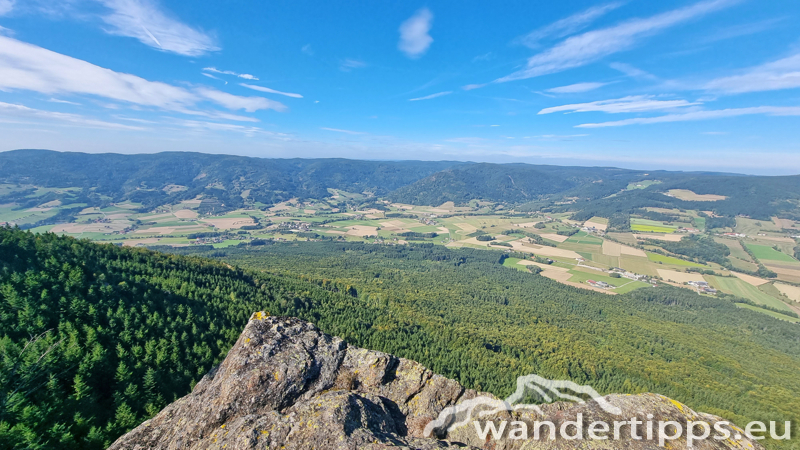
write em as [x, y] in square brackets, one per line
[755, 281]
[230, 223]
[685, 194]
[543, 251]
[185, 214]
[793, 292]
[555, 237]
[591, 223]
[679, 277]
[362, 230]
[783, 223]
[661, 237]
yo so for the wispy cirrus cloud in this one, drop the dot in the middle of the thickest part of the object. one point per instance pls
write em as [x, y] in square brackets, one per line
[566, 26]
[630, 104]
[25, 66]
[745, 29]
[339, 130]
[428, 97]
[781, 74]
[414, 37]
[576, 88]
[633, 72]
[67, 102]
[246, 76]
[348, 64]
[146, 21]
[592, 46]
[700, 115]
[17, 112]
[269, 91]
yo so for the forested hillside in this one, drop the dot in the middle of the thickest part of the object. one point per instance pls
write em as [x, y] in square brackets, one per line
[227, 182]
[463, 315]
[514, 183]
[143, 178]
[96, 338]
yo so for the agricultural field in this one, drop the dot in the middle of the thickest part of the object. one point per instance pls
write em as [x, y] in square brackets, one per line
[685, 194]
[657, 258]
[766, 253]
[340, 217]
[651, 226]
[584, 238]
[746, 290]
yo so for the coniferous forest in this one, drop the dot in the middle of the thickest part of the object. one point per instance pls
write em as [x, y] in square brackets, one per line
[97, 338]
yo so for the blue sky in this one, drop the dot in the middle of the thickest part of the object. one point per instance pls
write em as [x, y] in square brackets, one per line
[698, 85]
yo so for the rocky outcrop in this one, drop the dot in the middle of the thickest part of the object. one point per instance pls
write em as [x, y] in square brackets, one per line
[287, 385]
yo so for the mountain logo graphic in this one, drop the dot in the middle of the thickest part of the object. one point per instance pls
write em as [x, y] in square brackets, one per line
[459, 415]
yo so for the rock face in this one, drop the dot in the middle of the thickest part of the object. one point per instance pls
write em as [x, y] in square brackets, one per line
[287, 385]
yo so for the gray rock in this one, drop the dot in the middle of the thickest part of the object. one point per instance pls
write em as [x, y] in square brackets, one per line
[287, 385]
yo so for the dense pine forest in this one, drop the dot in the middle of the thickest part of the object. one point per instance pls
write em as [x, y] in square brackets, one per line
[97, 338]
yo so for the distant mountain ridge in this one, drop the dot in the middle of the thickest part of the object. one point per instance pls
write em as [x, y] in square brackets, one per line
[233, 181]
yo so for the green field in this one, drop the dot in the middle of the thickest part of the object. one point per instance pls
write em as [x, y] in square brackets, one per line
[768, 312]
[746, 290]
[512, 263]
[582, 237]
[655, 257]
[765, 252]
[623, 285]
[700, 223]
[651, 226]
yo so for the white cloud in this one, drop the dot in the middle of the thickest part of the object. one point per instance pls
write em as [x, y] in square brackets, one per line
[6, 6]
[483, 57]
[213, 77]
[781, 74]
[339, 130]
[744, 29]
[348, 64]
[575, 88]
[566, 26]
[594, 45]
[470, 87]
[414, 37]
[307, 50]
[55, 100]
[28, 67]
[701, 115]
[270, 91]
[428, 97]
[145, 21]
[214, 126]
[235, 102]
[246, 76]
[631, 71]
[20, 111]
[635, 103]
